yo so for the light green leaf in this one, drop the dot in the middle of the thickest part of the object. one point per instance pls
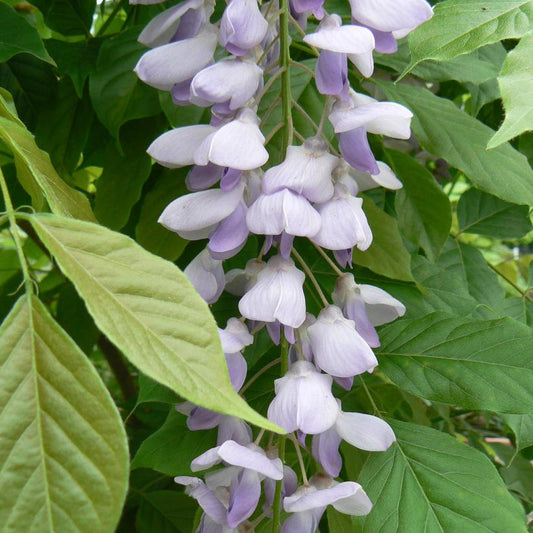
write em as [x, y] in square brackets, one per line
[158, 451]
[424, 212]
[516, 87]
[116, 92]
[148, 232]
[484, 214]
[476, 364]
[387, 254]
[7, 107]
[429, 482]
[18, 36]
[38, 176]
[522, 426]
[461, 26]
[446, 131]
[148, 309]
[339, 522]
[64, 451]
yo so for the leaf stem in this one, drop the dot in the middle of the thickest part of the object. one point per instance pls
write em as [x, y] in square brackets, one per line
[300, 458]
[267, 367]
[328, 259]
[28, 283]
[112, 15]
[525, 294]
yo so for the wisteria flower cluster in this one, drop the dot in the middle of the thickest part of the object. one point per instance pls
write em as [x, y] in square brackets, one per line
[312, 193]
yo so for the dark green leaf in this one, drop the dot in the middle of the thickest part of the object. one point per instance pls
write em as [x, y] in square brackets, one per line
[522, 426]
[18, 36]
[519, 308]
[69, 17]
[339, 522]
[76, 59]
[446, 131]
[116, 93]
[63, 128]
[387, 254]
[424, 212]
[165, 511]
[482, 213]
[151, 235]
[430, 482]
[152, 391]
[119, 187]
[172, 447]
[476, 364]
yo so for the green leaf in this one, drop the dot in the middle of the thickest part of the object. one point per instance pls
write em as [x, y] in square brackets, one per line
[62, 129]
[484, 214]
[461, 26]
[424, 212]
[519, 308]
[18, 36]
[516, 87]
[428, 481]
[119, 187]
[7, 107]
[387, 254]
[148, 309]
[173, 446]
[446, 131]
[165, 511]
[152, 391]
[148, 233]
[339, 522]
[476, 364]
[69, 17]
[116, 92]
[64, 450]
[76, 59]
[476, 67]
[522, 426]
[38, 176]
[479, 280]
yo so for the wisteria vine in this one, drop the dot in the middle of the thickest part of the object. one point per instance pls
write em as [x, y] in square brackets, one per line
[312, 192]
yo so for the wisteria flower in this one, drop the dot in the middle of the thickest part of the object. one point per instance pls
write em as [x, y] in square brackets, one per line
[206, 276]
[306, 170]
[367, 305]
[337, 347]
[365, 432]
[277, 294]
[303, 400]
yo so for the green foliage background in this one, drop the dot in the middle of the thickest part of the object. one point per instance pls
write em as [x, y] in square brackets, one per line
[99, 285]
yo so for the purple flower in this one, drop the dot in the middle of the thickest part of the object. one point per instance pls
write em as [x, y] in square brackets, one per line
[343, 222]
[300, 7]
[308, 503]
[363, 114]
[337, 347]
[277, 294]
[242, 26]
[231, 80]
[173, 63]
[369, 306]
[284, 213]
[206, 276]
[306, 170]
[179, 22]
[365, 432]
[353, 42]
[304, 400]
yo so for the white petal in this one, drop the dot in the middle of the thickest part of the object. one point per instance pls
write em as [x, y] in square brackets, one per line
[176, 147]
[346, 39]
[364, 63]
[237, 145]
[306, 171]
[381, 307]
[162, 27]
[247, 457]
[390, 15]
[206, 460]
[386, 177]
[319, 498]
[235, 337]
[173, 63]
[357, 504]
[201, 209]
[229, 79]
[365, 432]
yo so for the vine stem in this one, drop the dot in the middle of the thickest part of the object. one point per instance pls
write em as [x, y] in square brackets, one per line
[300, 459]
[328, 259]
[284, 63]
[276, 506]
[28, 284]
[524, 294]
